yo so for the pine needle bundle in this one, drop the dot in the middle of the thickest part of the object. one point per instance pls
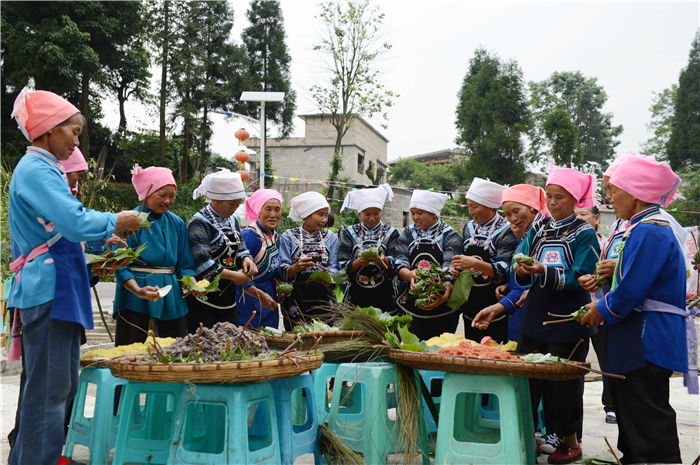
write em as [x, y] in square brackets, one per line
[336, 449]
[410, 414]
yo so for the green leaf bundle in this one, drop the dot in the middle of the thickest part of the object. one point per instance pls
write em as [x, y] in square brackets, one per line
[523, 259]
[461, 289]
[373, 252]
[144, 222]
[115, 256]
[428, 284]
[212, 287]
[285, 288]
[315, 326]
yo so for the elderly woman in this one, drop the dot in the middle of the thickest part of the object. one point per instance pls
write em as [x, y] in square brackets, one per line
[166, 259]
[429, 239]
[218, 249]
[264, 209]
[306, 249]
[648, 345]
[371, 280]
[489, 245]
[563, 247]
[523, 205]
[52, 292]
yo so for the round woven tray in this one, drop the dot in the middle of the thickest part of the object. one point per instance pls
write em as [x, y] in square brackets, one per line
[279, 342]
[136, 369]
[102, 362]
[487, 366]
[328, 337]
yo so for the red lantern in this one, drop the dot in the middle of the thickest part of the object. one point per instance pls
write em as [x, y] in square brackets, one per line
[242, 157]
[242, 134]
[244, 174]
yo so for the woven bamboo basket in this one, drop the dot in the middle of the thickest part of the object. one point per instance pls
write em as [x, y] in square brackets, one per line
[100, 362]
[328, 337]
[488, 366]
[279, 342]
[135, 368]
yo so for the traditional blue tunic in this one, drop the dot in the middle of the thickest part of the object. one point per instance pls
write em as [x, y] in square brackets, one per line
[264, 248]
[650, 268]
[167, 246]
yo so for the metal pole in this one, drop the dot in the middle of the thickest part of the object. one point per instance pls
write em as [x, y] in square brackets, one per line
[262, 145]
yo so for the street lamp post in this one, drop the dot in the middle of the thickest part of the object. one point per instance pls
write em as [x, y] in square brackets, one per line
[262, 97]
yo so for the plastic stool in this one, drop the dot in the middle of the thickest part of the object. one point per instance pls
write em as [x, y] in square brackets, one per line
[433, 380]
[219, 424]
[321, 376]
[364, 424]
[297, 418]
[461, 438]
[146, 430]
[98, 433]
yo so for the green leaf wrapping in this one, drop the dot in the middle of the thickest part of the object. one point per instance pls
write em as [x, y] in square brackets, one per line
[461, 289]
[212, 287]
[373, 252]
[116, 255]
[315, 326]
[144, 222]
[524, 259]
[578, 314]
[285, 288]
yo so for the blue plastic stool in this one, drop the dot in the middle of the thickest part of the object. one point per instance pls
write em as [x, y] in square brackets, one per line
[364, 423]
[433, 380]
[219, 424]
[462, 439]
[321, 376]
[297, 418]
[98, 433]
[147, 414]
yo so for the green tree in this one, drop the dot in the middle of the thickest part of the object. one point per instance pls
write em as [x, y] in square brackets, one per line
[269, 63]
[350, 43]
[663, 107]
[161, 16]
[492, 115]
[551, 135]
[690, 189]
[415, 175]
[684, 143]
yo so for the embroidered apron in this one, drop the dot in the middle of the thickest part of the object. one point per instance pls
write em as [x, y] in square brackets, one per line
[429, 250]
[370, 285]
[268, 262]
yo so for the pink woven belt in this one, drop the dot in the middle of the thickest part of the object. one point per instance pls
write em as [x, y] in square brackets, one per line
[18, 264]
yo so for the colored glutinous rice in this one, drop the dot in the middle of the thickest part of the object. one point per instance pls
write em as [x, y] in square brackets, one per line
[466, 348]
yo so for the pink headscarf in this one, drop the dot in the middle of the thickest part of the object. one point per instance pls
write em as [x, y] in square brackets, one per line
[76, 162]
[256, 201]
[527, 195]
[149, 180]
[581, 186]
[37, 112]
[617, 162]
[647, 180]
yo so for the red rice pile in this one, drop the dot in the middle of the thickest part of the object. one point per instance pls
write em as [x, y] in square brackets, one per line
[467, 348]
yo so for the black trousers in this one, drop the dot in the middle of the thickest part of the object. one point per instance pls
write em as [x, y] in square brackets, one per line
[645, 419]
[137, 331]
[599, 346]
[563, 400]
[425, 328]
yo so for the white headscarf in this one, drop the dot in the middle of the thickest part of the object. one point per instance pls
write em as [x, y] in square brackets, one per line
[305, 204]
[486, 193]
[222, 185]
[431, 202]
[367, 198]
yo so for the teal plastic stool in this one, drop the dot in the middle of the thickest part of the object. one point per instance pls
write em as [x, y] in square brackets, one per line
[147, 413]
[297, 418]
[98, 433]
[362, 419]
[321, 376]
[461, 436]
[221, 424]
[433, 381]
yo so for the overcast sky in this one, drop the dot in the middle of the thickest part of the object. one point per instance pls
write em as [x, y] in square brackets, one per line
[632, 48]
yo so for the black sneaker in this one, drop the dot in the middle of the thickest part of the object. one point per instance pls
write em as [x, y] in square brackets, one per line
[610, 417]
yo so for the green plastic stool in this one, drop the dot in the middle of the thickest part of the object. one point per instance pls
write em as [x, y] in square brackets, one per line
[147, 413]
[461, 436]
[364, 423]
[221, 424]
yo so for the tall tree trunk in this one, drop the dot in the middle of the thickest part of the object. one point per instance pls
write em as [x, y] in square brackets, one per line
[122, 114]
[205, 135]
[85, 110]
[163, 80]
[186, 155]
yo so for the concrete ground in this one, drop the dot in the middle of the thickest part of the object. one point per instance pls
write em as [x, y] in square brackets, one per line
[595, 429]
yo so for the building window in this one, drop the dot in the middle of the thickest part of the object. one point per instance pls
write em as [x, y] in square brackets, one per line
[360, 163]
